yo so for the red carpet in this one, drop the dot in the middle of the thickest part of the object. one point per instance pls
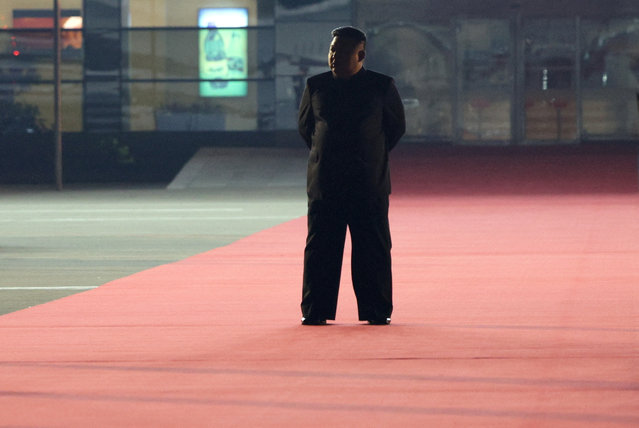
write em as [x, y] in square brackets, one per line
[512, 309]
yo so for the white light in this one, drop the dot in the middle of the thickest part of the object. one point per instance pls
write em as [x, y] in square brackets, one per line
[73, 22]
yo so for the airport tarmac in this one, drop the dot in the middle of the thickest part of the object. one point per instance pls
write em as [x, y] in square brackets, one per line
[56, 243]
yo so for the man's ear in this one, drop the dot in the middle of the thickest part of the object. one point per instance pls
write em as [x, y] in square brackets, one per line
[361, 55]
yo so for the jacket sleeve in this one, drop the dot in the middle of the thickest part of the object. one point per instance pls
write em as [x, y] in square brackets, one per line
[305, 118]
[394, 119]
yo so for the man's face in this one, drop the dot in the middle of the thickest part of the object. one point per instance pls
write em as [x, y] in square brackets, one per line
[345, 57]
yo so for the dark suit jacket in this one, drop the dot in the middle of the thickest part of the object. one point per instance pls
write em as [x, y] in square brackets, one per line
[350, 126]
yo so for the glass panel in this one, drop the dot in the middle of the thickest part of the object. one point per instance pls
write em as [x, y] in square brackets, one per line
[35, 13]
[171, 106]
[71, 107]
[26, 55]
[26, 108]
[103, 55]
[550, 80]
[485, 80]
[72, 64]
[420, 59]
[610, 75]
[313, 10]
[177, 53]
[165, 13]
[302, 50]
[66, 4]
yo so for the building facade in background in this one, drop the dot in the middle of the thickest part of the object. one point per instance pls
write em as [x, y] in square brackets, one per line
[495, 72]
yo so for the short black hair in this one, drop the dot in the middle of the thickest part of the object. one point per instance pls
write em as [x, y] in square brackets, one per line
[349, 33]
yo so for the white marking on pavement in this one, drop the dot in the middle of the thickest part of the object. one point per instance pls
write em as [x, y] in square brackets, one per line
[132, 219]
[46, 288]
[117, 210]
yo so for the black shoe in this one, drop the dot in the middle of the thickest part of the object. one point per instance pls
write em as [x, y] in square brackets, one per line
[313, 321]
[380, 321]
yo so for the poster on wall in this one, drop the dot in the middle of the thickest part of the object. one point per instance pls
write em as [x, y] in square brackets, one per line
[223, 51]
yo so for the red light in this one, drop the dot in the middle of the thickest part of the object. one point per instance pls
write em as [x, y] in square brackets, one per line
[16, 53]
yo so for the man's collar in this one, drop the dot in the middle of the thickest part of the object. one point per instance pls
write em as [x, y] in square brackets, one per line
[354, 77]
[359, 74]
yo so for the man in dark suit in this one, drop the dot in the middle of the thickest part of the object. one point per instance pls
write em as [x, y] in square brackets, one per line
[350, 118]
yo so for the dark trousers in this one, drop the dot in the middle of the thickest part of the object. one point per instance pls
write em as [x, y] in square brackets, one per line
[367, 221]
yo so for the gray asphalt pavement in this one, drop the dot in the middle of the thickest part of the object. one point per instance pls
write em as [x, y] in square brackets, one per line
[53, 244]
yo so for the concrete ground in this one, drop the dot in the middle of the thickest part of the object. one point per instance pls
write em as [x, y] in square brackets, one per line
[53, 244]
